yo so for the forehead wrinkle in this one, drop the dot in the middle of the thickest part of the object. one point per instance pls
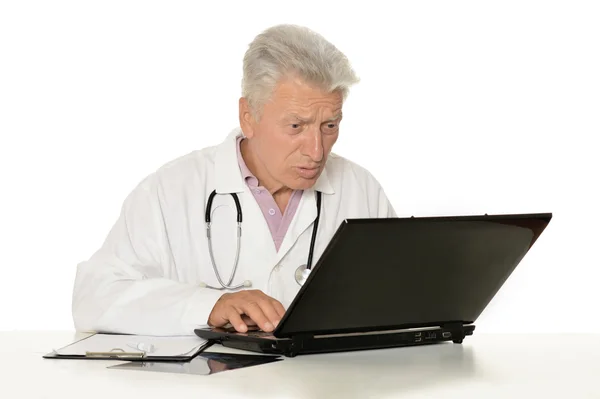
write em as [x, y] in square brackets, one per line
[305, 115]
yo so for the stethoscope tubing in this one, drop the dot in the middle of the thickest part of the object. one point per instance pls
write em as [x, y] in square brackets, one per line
[238, 246]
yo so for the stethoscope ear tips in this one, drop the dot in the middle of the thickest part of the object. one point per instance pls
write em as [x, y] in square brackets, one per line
[247, 283]
[202, 285]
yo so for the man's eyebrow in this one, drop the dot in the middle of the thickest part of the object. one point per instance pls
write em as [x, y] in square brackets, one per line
[301, 119]
[296, 116]
[335, 117]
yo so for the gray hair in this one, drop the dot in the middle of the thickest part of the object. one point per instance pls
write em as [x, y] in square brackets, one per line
[290, 49]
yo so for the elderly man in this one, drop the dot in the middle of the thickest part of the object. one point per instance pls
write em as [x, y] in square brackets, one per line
[265, 191]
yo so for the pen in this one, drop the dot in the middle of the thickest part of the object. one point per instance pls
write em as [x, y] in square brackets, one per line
[115, 353]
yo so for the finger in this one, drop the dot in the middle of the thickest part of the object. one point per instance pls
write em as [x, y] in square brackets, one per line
[236, 320]
[217, 319]
[218, 315]
[278, 308]
[255, 312]
[269, 309]
[249, 322]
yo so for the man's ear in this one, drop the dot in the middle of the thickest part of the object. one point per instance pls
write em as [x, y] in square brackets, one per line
[246, 119]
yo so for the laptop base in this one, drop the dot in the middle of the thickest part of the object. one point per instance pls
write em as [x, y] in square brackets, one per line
[261, 342]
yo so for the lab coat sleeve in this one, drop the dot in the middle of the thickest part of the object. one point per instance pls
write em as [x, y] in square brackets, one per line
[385, 208]
[379, 203]
[131, 284]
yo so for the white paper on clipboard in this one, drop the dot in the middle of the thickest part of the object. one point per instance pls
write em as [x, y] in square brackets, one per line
[150, 345]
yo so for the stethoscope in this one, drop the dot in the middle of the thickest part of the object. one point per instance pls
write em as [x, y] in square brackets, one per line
[302, 271]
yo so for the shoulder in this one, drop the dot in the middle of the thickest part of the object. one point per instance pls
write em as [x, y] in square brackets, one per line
[357, 188]
[179, 173]
[343, 170]
[191, 162]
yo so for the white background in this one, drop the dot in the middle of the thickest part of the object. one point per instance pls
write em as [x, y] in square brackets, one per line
[463, 108]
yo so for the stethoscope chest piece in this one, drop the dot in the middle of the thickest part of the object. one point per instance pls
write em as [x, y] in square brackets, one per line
[301, 274]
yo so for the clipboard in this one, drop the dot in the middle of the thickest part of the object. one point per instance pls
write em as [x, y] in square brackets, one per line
[124, 353]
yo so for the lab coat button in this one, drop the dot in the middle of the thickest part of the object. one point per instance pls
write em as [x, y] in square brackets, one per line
[271, 211]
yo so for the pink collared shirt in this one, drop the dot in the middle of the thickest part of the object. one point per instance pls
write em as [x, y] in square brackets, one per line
[278, 223]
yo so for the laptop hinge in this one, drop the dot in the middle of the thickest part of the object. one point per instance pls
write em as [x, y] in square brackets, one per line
[297, 344]
[456, 331]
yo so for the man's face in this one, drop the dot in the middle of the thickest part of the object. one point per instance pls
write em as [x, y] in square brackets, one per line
[295, 133]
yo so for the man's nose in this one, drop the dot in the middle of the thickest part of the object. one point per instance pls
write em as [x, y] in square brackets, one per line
[314, 145]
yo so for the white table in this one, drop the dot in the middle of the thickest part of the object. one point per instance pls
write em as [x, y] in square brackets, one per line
[484, 366]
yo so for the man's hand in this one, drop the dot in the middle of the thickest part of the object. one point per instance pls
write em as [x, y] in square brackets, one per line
[247, 308]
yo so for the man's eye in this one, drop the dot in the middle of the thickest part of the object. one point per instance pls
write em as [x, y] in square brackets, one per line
[295, 126]
[331, 125]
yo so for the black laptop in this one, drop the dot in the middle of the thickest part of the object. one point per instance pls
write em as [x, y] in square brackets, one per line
[395, 282]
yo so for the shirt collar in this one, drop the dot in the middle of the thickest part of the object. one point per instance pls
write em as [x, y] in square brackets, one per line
[246, 173]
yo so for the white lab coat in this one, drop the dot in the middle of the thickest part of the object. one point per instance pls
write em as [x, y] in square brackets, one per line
[146, 277]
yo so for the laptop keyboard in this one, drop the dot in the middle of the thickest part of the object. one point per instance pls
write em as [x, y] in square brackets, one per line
[261, 334]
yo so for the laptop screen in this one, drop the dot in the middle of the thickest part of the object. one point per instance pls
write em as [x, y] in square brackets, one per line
[379, 274]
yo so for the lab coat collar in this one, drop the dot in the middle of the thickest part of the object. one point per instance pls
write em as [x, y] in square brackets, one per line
[228, 177]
